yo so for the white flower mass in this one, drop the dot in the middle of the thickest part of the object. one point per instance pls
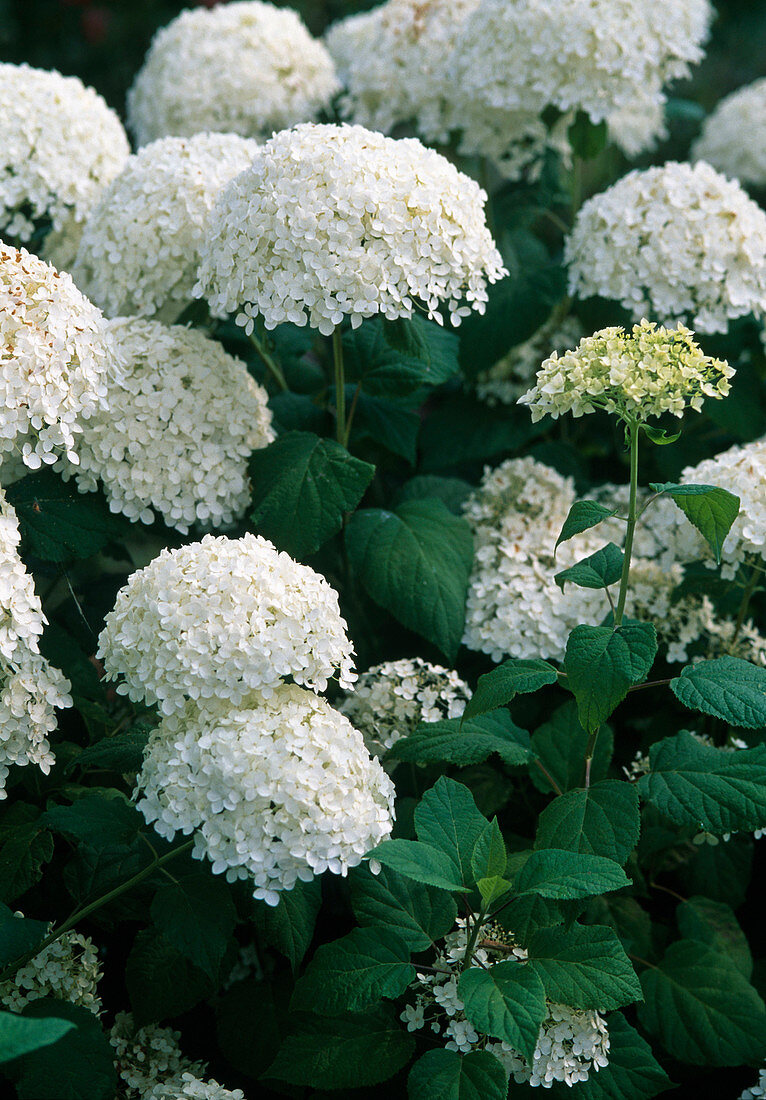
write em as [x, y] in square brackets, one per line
[676, 243]
[67, 969]
[246, 67]
[219, 618]
[59, 146]
[140, 246]
[276, 790]
[182, 420]
[733, 137]
[337, 221]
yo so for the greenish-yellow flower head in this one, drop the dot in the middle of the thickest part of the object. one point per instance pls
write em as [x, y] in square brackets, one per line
[645, 372]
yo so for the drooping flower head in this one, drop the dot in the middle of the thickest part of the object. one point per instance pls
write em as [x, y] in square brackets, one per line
[645, 372]
[182, 421]
[59, 146]
[219, 618]
[67, 969]
[140, 246]
[247, 68]
[337, 221]
[733, 137]
[676, 243]
[275, 790]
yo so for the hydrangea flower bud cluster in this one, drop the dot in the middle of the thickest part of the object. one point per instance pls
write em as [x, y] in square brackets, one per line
[676, 243]
[59, 146]
[337, 221]
[67, 969]
[390, 700]
[30, 688]
[275, 791]
[733, 137]
[509, 378]
[645, 372]
[183, 419]
[756, 1092]
[247, 68]
[140, 246]
[220, 618]
[55, 357]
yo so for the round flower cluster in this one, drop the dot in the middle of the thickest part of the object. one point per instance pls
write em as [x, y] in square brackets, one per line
[676, 243]
[335, 221]
[55, 357]
[219, 618]
[390, 700]
[188, 1087]
[733, 137]
[140, 245]
[277, 791]
[183, 419]
[30, 688]
[756, 1092]
[59, 146]
[645, 372]
[247, 67]
[511, 376]
[67, 969]
[571, 1042]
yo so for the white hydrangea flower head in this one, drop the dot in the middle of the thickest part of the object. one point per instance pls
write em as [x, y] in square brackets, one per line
[222, 617]
[59, 146]
[182, 421]
[645, 372]
[67, 969]
[756, 1092]
[30, 688]
[140, 246]
[511, 376]
[145, 1057]
[676, 243]
[337, 221]
[733, 137]
[188, 1087]
[276, 790]
[247, 68]
[391, 699]
[572, 1043]
[638, 127]
[55, 358]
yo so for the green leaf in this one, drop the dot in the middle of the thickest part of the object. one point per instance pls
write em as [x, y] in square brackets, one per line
[248, 1020]
[344, 1052]
[18, 935]
[720, 871]
[583, 515]
[415, 562]
[432, 344]
[507, 1001]
[702, 1009]
[451, 491]
[392, 359]
[712, 510]
[447, 1075]
[124, 752]
[526, 915]
[489, 858]
[389, 423]
[57, 522]
[448, 819]
[420, 862]
[492, 888]
[719, 790]
[161, 982]
[584, 966]
[560, 743]
[633, 1073]
[659, 436]
[463, 430]
[454, 741]
[728, 688]
[197, 917]
[599, 570]
[562, 875]
[602, 820]
[504, 683]
[602, 662]
[80, 1066]
[419, 914]
[714, 923]
[354, 972]
[289, 926]
[586, 137]
[303, 487]
[18, 1035]
[97, 820]
[23, 851]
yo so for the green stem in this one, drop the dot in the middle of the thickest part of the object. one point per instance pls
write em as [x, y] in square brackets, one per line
[86, 910]
[747, 595]
[352, 410]
[471, 945]
[269, 362]
[590, 748]
[340, 387]
[632, 517]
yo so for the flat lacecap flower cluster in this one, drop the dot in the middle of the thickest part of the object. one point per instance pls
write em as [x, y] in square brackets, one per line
[247, 68]
[337, 221]
[139, 249]
[645, 372]
[509, 378]
[276, 791]
[182, 421]
[59, 146]
[733, 137]
[68, 970]
[55, 358]
[390, 700]
[676, 243]
[217, 619]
